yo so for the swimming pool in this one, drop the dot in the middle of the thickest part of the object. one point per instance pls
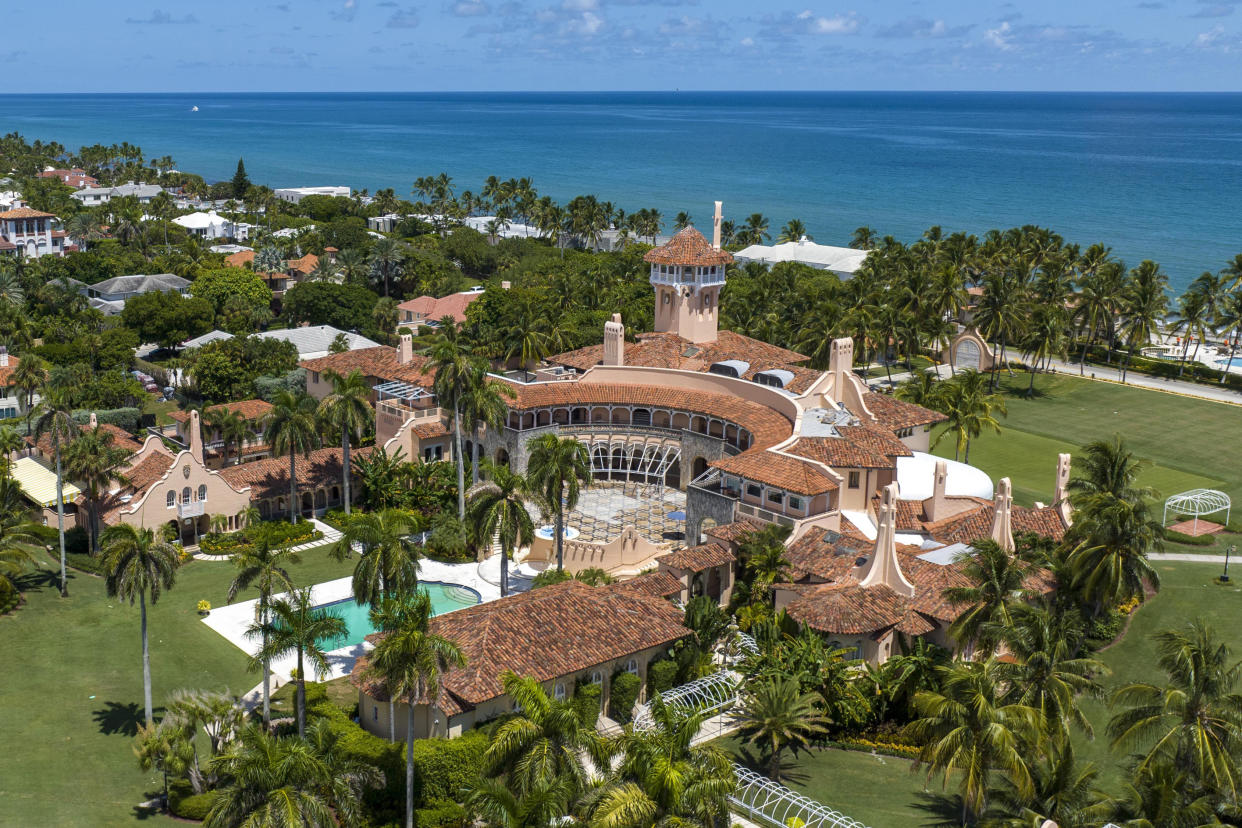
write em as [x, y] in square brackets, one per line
[444, 598]
[549, 532]
[1236, 363]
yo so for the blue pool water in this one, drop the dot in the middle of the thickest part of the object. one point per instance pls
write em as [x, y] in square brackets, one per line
[444, 598]
[1236, 362]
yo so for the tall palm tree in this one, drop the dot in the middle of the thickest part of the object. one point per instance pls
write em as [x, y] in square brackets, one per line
[777, 715]
[498, 806]
[498, 511]
[295, 625]
[793, 231]
[1109, 468]
[1229, 322]
[682, 221]
[1110, 560]
[93, 461]
[970, 734]
[290, 429]
[1193, 321]
[287, 780]
[347, 410]
[264, 564]
[1144, 304]
[387, 261]
[28, 377]
[268, 261]
[56, 421]
[388, 565]
[1064, 791]
[970, 409]
[410, 661]
[138, 564]
[1193, 722]
[558, 468]
[230, 425]
[997, 585]
[544, 742]
[448, 358]
[483, 401]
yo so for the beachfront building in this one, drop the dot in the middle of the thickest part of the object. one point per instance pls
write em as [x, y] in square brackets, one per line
[76, 178]
[293, 195]
[209, 225]
[95, 196]
[562, 635]
[843, 261]
[109, 296]
[429, 309]
[29, 234]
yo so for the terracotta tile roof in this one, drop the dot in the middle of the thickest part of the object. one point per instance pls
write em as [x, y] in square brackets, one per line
[766, 425]
[303, 265]
[148, 470]
[379, 363]
[6, 371]
[931, 580]
[239, 258]
[25, 213]
[270, 477]
[736, 531]
[779, 470]
[815, 556]
[429, 431]
[651, 584]
[248, 409]
[848, 609]
[688, 248]
[858, 447]
[431, 308]
[667, 350]
[976, 524]
[546, 633]
[895, 414]
[6, 245]
[697, 558]
[120, 437]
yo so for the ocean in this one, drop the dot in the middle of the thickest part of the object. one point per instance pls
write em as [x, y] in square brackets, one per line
[1154, 176]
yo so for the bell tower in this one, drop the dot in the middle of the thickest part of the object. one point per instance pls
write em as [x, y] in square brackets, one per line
[687, 274]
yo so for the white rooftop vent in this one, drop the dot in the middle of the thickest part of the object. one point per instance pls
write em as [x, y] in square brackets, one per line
[730, 368]
[775, 377]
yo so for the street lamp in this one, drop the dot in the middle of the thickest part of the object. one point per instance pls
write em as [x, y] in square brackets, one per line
[1229, 550]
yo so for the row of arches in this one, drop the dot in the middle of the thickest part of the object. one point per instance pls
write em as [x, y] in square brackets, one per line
[311, 502]
[636, 416]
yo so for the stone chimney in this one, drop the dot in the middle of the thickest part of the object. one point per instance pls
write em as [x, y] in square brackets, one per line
[884, 569]
[4, 357]
[196, 436]
[405, 349]
[840, 363]
[1002, 524]
[614, 341]
[716, 219]
[1060, 495]
[934, 509]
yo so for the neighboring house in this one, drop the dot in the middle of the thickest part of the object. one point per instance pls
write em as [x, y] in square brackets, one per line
[385, 223]
[254, 446]
[12, 401]
[30, 234]
[295, 194]
[109, 295]
[842, 261]
[295, 270]
[312, 341]
[94, 196]
[429, 309]
[76, 178]
[559, 635]
[230, 250]
[210, 225]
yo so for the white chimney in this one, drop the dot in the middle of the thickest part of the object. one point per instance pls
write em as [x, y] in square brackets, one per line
[614, 341]
[405, 349]
[1002, 524]
[716, 219]
[935, 507]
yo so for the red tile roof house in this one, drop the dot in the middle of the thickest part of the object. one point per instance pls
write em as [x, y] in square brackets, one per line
[430, 309]
[253, 446]
[76, 178]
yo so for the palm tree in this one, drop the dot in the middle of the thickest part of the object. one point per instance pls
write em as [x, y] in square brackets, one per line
[544, 804]
[970, 409]
[682, 221]
[1229, 321]
[543, 743]
[1193, 320]
[21, 537]
[1109, 468]
[93, 461]
[56, 421]
[28, 377]
[287, 780]
[776, 715]
[1194, 722]
[558, 468]
[1110, 561]
[388, 565]
[230, 425]
[290, 429]
[498, 511]
[263, 564]
[793, 231]
[1144, 304]
[347, 409]
[755, 231]
[968, 733]
[997, 584]
[387, 261]
[295, 625]
[448, 358]
[269, 261]
[138, 564]
[410, 661]
[483, 401]
[1064, 792]
[863, 239]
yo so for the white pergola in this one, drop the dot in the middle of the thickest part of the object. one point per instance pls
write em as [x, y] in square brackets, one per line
[707, 695]
[770, 803]
[1198, 502]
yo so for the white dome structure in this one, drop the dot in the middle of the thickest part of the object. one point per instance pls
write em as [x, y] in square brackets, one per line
[916, 476]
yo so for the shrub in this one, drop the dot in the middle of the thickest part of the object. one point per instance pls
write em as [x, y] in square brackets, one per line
[82, 562]
[549, 577]
[283, 534]
[126, 418]
[9, 596]
[440, 813]
[661, 676]
[204, 605]
[183, 802]
[77, 542]
[1105, 629]
[625, 687]
[586, 702]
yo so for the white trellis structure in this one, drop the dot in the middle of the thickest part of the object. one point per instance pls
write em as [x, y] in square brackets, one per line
[771, 803]
[1198, 502]
[707, 695]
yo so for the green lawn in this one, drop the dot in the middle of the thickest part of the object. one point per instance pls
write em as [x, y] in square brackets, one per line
[72, 691]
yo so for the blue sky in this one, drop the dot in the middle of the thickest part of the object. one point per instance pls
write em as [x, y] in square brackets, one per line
[328, 45]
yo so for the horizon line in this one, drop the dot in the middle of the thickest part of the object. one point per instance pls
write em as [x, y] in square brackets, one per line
[677, 91]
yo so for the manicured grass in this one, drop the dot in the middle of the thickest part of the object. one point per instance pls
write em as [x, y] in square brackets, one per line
[72, 690]
[160, 409]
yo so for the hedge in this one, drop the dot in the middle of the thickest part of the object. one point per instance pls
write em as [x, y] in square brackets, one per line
[1163, 368]
[440, 813]
[624, 695]
[586, 702]
[661, 676]
[126, 418]
[183, 802]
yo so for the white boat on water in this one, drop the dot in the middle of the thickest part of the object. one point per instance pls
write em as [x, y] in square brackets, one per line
[194, 109]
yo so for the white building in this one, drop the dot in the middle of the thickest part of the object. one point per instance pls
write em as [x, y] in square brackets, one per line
[109, 296]
[30, 234]
[842, 261]
[312, 341]
[210, 225]
[295, 194]
[94, 196]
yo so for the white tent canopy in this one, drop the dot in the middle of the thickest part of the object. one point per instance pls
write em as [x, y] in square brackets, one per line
[1198, 502]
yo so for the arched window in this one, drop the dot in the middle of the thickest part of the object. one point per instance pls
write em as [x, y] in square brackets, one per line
[172, 499]
[631, 666]
[202, 491]
[558, 692]
[597, 677]
[185, 495]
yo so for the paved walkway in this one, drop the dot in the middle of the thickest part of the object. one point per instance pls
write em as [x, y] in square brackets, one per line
[1193, 558]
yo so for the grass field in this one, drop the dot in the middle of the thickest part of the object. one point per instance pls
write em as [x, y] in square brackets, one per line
[72, 691]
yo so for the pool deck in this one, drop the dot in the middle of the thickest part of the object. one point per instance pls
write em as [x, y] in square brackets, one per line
[232, 620]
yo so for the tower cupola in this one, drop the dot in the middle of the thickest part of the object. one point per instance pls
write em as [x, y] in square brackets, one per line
[687, 274]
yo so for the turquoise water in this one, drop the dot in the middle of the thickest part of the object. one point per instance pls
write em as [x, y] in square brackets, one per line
[444, 598]
[1155, 176]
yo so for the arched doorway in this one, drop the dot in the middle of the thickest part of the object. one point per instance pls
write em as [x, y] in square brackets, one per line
[698, 467]
[502, 457]
[308, 504]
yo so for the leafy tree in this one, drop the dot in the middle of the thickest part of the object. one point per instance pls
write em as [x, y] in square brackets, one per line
[219, 375]
[167, 318]
[346, 306]
[776, 715]
[558, 468]
[139, 564]
[220, 285]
